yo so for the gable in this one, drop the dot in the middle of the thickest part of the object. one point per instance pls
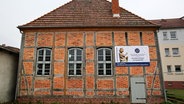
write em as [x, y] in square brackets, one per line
[87, 13]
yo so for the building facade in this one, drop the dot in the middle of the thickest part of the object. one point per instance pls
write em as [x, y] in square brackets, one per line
[70, 54]
[171, 36]
[9, 57]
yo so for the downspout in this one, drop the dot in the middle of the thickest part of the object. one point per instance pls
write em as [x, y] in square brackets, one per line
[19, 65]
[160, 66]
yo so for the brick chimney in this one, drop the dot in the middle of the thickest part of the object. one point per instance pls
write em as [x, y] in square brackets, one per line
[115, 8]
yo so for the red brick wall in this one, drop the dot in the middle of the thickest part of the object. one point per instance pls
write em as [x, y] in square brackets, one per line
[174, 84]
[90, 84]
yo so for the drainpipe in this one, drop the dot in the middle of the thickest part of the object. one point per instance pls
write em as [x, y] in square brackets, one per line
[19, 65]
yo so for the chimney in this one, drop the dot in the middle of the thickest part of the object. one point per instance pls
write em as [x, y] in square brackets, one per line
[115, 8]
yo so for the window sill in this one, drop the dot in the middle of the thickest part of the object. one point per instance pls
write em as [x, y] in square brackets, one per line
[102, 76]
[169, 73]
[165, 39]
[167, 55]
[176, 55]
[74, 76]
[43, 77]
[178, 73]
[174, 39]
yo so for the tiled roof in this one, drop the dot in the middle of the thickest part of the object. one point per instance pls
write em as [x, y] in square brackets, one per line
[170, 23]
[9, 49]
[88, 13]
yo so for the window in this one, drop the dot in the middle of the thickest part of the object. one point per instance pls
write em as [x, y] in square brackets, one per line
[165, 36]
[173, 35]
[75, 61]
[167, 52]
[175, 51]
[43, 61]
[169, 69]
[104, 61]
[177, 68]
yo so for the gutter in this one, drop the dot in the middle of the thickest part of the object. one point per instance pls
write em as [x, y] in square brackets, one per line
[42, 27]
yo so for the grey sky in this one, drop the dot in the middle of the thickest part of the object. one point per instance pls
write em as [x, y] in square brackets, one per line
[19, 12]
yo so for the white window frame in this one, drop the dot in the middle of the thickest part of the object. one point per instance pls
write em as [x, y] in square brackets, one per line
[104, 71]
[75, 71]
[173, 35]
[167, 50]
[165, 36]
[175, 51]
[169, 70]
[41, 65]
[179, 66]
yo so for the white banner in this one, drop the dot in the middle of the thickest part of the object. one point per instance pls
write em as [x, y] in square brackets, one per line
[132, 56]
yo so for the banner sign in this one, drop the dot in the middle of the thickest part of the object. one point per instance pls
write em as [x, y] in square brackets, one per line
[132, 56]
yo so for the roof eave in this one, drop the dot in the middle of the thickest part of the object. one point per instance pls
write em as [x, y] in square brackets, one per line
[171, 27]
[9, 50]
[123, 26]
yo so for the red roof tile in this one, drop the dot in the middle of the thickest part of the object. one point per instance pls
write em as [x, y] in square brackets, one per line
[88, 13]
[170, 23]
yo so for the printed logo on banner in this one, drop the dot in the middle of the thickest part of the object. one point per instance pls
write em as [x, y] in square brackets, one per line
[132, 56]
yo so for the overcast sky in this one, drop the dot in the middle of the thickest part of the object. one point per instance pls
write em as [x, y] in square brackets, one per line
[19, 12]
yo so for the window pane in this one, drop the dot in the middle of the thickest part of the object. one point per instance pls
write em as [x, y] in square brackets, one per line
[79, 52]
[48, 52]
[108, 52]
[71, 66]
[175, 51]
[165, 35]
[78, 66]
[47, 66]
[167, 51]
[108, 66]
[100, 66]
[79, 58]
[177, 69]
[173, 35]
[40, 52]
[47, 58]
[71, 58]
[100, 58]
[71, 52]
[40, 66]
[40, 58]
[47, 72]
[169, 68]
[78, 72]
[100, 52]
[39, 72]
[100, 72]
[71, 72]
[108, 72]
[108, 58]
